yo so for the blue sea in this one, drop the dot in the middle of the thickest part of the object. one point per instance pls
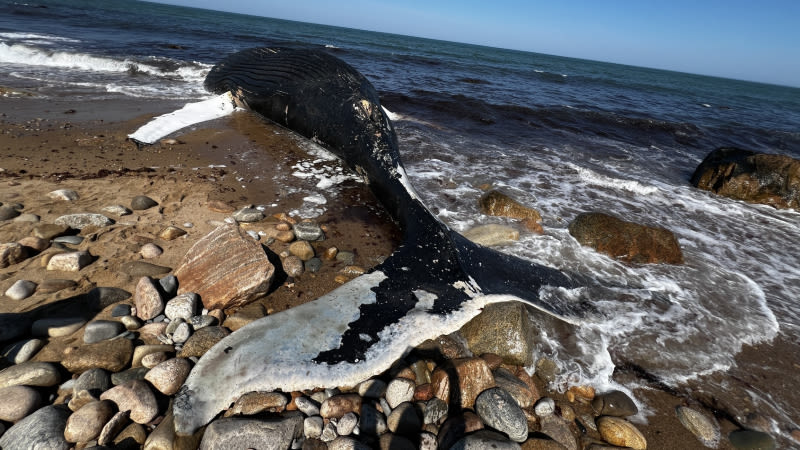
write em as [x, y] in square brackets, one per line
[562, 135]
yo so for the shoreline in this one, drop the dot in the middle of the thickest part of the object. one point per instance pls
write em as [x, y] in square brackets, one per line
[77, 150]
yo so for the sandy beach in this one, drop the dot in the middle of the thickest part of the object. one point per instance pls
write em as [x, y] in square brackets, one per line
[202, 175]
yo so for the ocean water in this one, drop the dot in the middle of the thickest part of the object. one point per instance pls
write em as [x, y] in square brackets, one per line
[563, 135]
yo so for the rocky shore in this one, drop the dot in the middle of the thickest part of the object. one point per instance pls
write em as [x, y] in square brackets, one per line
[101, 321]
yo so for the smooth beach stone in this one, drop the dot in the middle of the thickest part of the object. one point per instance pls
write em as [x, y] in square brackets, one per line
[48, 231]
[498, 409]
[150, 250]
[121, 310]
[293, 266]
[22, 351]
[347, 424]
[111, 355]
[225, 434]
[620, 432]
[169, 285]
[492, 235]
[399, 390]
[248, 215]
[372, 421]
[69, 262]
[116, 210]
[308, 231]
[704, 428]
[328, 432]
[518, 389]
[473, 377]
[348, 258]
[131, 322]
[27, 217]
[102, 297]
[404, 420]
[72, 240]
[751, 440]
[182, 333]
[86, 423]
[134, 396]
[95, 381]
[147, 299]
[98, 330]
[433, 410]
[7, 213]
[142, 202]
[202, 340]
[44, 429]
[202, 321]
[18, 402]
[21, 289]
[153, 359]
[119, 429]
[313, 265]
[169, 375]
[255, 402]
[64, 194]
[57, 326]
[544, 407]
[504, 329]
[484, 439]
[83, 220]
[312, 427]
[136, 373]
[184, 306]
[35, 243]
[307, 406]
[12, 253]
[339, 405]
[301, 249]
[143, 350]
[372, 388]
[171, 233]
[614, 403]
[395, 442]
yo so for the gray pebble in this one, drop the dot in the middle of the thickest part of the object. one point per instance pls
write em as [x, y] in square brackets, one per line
[498, 409]
[346, 424]
[182, 333]
[614, 403]
[312, 427]
[136, 373]
[434, 410]
[22, 351]
[483, 439]
[313, 265]
[96, 381]
[121, 310]
[64, 194]
[116, 210]
[308, 231]
[83, 220]
[72, 240]
[404, 420]
[184, 306]
[235, 433]
[248, 215]
[142, 202]
[100, 330]
[202, 321]
[21, 289]
[307, 406]
[399, 390]
[329, 432]
[27, 217]
[169, 284]
[42, 429]
[7, 212]
[348, 258]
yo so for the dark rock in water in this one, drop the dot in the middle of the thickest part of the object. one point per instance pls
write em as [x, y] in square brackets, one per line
[753, 177]
[142, 202]
[496, 203]
[751, 440]
[626, 241]
[230, 433]
[42, 429]
[614, 403]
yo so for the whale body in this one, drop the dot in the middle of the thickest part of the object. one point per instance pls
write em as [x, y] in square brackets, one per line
[433, 284]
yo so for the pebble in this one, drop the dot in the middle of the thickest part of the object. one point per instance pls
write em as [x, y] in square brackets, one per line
[102, 297]
[147, 299]
[98, 330]
[35, 243]
[228, 433]
[134, 396]
[182, 333]
[347, 443]
[372, 421]
[347, 424]
[95, 381]
[153, 359]
[7, 213]
[150, 250]
[135, 373]
[169, 375]
[171, 233]
[143, 350]
[705, 429]
[27, 217]
[620, 432]
[143, 269]
[71, 240]
[116, 210]
[202, 340]
[131, 322]
[339, 405]
[81, 398]
[372, 388]
[473, 377]
[21, 289]
[559, 430]
[308, 231]
[57, 326]
[54, 285]
[86, 423]
[498, 409]
[751, 440]
[301, 249]
[614, 403]
[293, 266]
[83, 220]
[253, 403]
[399, 390]
[142, 202]
[328, 432]
[22, 351]
[348, 258]
[30, 373]
[121, 310]
[12, 253]
[43, 429]
[112, 355]
[433, 410]
[404, 420]
[307, 406]
[202, 321]
[248, 215]
[312, 427]
[64, 194]
[116, 426]
[18, 402]
[48, 231]
[169, 285]
[545, 407]
[69, 262]
[184, 306]
[313, 265]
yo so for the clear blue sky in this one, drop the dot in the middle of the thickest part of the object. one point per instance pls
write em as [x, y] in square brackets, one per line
[750, 40]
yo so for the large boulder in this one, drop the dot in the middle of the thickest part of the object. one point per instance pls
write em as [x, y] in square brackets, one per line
[227, 268]
[503, 329]
[626, 241]
[753, 177]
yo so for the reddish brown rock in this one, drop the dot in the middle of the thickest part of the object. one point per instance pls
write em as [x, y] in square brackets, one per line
[626, 241]
[753, 177]
[226, 268]
[496, 203]
[472, 377]
[339, 405]
[112, 355]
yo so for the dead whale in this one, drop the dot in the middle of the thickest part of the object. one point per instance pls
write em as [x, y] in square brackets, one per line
[434, 283]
